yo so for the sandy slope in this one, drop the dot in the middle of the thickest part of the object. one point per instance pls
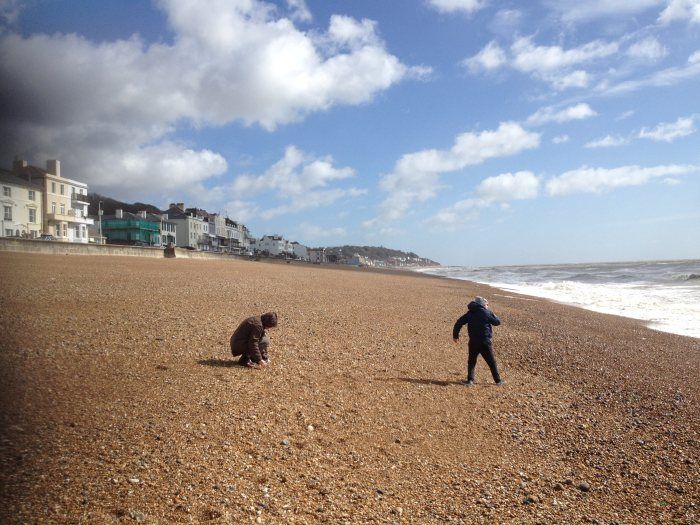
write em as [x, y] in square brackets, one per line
[120, 404]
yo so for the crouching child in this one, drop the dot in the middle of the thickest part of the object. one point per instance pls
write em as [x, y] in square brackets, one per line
[250, 340]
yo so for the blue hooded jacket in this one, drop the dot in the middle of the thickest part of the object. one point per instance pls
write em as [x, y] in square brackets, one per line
[478, 320]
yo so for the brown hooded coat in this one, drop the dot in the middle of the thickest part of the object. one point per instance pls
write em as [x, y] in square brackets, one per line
[246, 338]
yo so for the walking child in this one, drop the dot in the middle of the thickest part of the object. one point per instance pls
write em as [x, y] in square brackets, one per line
[479, 320]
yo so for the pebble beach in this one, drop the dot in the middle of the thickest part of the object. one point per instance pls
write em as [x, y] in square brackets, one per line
[120, 402]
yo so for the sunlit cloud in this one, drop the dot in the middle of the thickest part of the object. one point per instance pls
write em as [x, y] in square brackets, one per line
[608, 141]
[416, 176]
[669, 131]
[551, 114]
[598, 180]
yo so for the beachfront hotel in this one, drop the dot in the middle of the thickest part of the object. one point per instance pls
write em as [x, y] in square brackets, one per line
[61, 203]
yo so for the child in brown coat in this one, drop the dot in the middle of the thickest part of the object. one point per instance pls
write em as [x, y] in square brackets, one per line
[250, 340]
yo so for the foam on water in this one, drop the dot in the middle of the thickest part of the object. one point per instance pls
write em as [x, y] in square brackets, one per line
[666, 297]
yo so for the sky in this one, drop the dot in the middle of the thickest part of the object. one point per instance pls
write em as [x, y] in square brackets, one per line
[471, 132]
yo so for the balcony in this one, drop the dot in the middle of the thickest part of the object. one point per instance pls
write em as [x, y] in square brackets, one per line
[77, 197]
[69, 216]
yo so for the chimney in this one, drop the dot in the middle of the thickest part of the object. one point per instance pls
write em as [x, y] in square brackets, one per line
[18, 164]
[119, 214]
[54, 167]
[142, 213]
[181, 205]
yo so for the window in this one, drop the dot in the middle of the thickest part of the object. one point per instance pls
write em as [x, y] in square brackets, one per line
[53, 207]
[53, 187]
[32, 195]
[63, 209]
[6, 191]
[8, 233]
[8, 213]
[58, 230]
[32, 215]
[62, 189]
[84, 230]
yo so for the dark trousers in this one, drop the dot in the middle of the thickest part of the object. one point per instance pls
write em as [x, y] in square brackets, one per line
[263, 344]
[483, 348]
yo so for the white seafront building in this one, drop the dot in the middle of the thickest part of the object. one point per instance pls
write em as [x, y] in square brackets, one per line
[64, 201]
[21, 201]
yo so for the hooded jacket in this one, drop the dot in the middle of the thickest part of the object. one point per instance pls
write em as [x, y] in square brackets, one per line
[479, 321]
[246, 339]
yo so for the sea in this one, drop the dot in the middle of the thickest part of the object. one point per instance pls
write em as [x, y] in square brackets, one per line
[663, 294]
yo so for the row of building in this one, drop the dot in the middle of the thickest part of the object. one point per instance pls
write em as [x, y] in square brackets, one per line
[42, 203]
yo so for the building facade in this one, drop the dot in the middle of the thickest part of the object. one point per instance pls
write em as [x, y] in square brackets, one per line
[300, 251]
[317, 255]
[129, 228]
[64, 201]
[273, 245]
[21, 203]
[190, 230]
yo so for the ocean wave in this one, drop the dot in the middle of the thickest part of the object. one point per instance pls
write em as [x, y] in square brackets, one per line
[686, 277]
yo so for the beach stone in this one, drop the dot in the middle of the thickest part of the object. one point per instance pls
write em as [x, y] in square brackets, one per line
[285, 442]
[584, 487]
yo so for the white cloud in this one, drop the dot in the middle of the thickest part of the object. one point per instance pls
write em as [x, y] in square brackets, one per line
[671, 181]
[560, 139]
[608, 141]
[577, 11]
[238, 209]
[575, 79]
[299, 10]
[553, 64]
[597, 180]
[694, 58]
[229, 61]
[683, 10]
[499, 189]
[648, 49]
[508, 187]
[416, 176]
[624, 116]
[530, 58]
[551, 114]
[298, 180]
[457, 214]
[664, 78]
[669, 131]
[313, 232]
[454, 6]
[490, 57]
[506, 22]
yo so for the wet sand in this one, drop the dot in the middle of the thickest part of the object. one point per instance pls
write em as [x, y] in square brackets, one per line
[120, 402]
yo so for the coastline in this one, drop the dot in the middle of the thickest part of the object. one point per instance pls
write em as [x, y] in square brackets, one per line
[680, 319]
[117, 369]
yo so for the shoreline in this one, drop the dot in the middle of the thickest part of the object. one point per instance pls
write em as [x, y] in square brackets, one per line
[652, 324]
[120, 402]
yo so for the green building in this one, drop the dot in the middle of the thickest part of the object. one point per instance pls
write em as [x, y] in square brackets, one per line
[129, 228]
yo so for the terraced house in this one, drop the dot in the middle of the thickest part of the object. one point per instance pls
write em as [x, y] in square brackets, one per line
[21, 202]
[64, 203]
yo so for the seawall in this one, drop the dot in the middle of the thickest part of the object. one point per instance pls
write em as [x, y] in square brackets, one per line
[72, 248]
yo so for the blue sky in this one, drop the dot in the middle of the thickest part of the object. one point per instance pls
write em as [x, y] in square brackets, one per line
[473, 132]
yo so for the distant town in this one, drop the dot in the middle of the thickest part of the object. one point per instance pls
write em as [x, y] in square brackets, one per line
[41, 204]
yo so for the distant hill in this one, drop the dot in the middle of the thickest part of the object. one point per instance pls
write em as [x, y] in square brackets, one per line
[377, 253]
[109, 205]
